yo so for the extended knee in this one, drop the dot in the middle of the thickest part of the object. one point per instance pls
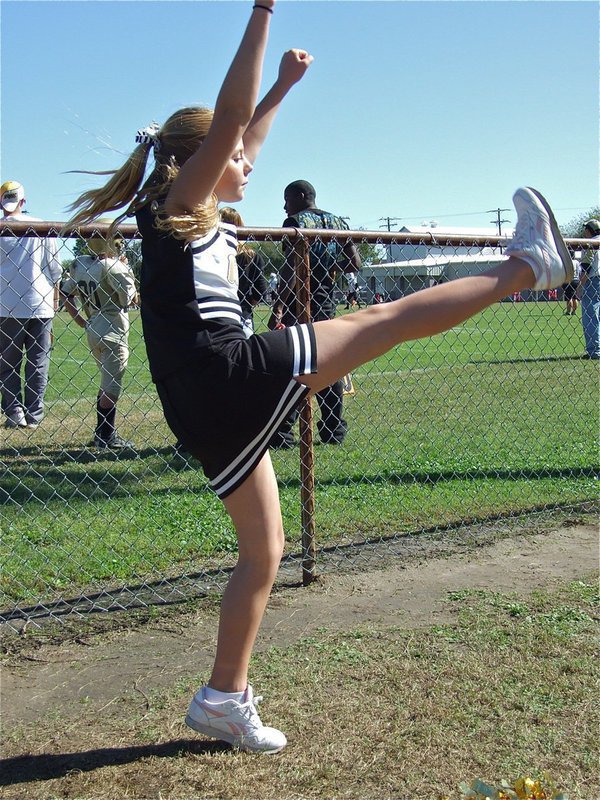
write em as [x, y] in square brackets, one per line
[264, 556]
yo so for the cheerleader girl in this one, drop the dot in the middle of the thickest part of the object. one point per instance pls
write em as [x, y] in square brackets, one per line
[204, 367]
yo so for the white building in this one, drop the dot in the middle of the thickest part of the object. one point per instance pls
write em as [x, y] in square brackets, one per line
[412, 267]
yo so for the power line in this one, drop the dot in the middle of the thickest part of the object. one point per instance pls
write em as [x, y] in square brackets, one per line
[463, 214]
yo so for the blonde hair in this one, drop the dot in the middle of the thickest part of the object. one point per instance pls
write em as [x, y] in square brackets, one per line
[176, 141]
[233, 217]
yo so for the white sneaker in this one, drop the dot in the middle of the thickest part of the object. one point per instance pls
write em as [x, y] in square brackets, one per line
[538, 241]
[236, 723]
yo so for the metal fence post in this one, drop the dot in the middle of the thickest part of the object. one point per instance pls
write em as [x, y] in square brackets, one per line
[307, 464]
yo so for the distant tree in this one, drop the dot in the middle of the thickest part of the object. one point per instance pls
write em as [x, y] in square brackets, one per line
[66, 265]
[272, 255]
[371, 253]
[574, 228]
[79, 247]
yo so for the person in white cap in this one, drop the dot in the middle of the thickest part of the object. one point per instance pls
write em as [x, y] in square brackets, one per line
[30, 271]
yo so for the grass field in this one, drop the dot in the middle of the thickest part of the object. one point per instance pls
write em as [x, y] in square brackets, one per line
[496, 417]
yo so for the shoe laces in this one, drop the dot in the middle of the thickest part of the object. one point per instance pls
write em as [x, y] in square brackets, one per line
[522, 236]
[249, 708]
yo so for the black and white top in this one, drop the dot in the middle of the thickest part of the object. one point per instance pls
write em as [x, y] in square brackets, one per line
[224, 396]
[182, 287]
[215, 270]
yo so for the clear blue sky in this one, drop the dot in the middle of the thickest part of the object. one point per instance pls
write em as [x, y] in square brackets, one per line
[418, 110]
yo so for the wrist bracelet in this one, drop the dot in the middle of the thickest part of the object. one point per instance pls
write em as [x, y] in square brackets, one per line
[264, 8]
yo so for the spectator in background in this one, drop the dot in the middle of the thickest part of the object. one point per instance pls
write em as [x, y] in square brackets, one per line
[326, 259]
[252, 286]
[570, 298]
[30, 272]
[273, 282]
[589, 283]
[353, 294]
[570, 292]
[104, 285]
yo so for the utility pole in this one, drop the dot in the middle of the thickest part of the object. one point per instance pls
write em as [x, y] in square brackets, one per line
[498, 221]
[388, 221]
[388, 225]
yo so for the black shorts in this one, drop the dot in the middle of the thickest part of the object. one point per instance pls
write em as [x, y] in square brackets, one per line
[570, 290]
[227, 402]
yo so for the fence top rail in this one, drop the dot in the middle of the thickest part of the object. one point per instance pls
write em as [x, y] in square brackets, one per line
[55, 230]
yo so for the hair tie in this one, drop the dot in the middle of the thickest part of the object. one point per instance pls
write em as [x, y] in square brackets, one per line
[149, 135]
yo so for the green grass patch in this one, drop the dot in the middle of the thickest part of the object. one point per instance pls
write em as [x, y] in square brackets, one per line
[492, 418]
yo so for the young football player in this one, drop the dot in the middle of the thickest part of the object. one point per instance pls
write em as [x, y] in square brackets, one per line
[104, 285]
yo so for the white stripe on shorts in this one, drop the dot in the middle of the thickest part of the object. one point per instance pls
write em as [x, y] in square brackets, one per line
[252, 453]
[303, 354]
[303, 364]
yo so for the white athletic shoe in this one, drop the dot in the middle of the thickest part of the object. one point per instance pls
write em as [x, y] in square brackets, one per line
[235, 723]
[538, 241]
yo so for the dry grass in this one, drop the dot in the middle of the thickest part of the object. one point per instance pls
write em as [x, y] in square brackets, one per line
[374, 713]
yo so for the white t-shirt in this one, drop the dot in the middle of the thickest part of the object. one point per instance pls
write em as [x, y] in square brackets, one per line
[29, 270]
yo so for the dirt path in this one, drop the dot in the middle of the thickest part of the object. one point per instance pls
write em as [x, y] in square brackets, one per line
[140, 660]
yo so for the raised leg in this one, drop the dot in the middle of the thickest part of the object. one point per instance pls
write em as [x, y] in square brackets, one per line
[538, 259]
[347, 342]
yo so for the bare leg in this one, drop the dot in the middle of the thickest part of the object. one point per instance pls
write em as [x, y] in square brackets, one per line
[255, 512]
[347, 342]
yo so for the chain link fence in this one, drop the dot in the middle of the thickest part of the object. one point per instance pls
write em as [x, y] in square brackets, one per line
[491, 422]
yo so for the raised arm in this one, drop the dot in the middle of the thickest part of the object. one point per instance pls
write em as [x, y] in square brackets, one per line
[292, 68]
[234, 110]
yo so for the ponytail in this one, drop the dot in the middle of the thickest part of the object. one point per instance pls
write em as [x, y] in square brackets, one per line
[119, 191]
[173, 144]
